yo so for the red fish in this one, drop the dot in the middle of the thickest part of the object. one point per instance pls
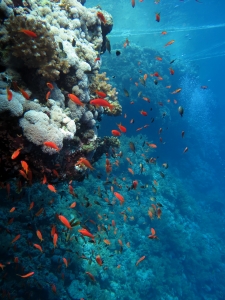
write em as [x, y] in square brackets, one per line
[75, 99]
[51, 145]
[28, 33]
[143, 113]
[99, 260]
[101, 102]
[90, 275]
[101, 17]
[133, 3]
[157, 17]
[101, 94]
[171, 71]
[116, 133]
[9, 94]
[122, 128]
[85, 232]
[65, 221]
[50, 85]
[47, 95]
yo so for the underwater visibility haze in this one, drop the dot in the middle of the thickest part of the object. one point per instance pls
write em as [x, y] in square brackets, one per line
[112, 164]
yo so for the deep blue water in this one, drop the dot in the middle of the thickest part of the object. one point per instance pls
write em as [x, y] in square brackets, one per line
[186, 261]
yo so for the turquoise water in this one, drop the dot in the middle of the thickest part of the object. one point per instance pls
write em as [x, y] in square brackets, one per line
[184, 259]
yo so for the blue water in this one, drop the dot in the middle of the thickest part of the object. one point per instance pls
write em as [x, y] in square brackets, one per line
[186, 261]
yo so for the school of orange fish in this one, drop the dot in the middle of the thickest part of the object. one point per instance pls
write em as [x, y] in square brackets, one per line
[64, 230]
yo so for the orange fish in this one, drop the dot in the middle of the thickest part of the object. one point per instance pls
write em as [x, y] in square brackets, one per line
[152, 145]
[133, 3]
[169, 43]
[28, 32]
[85, 232]
[146, 99]
[39, 235]
[164, 32]
[90, 275]
[99, 260]
[27, 275]
[101, 94]
[75, 99]
[53, 230]
[145, 77]
[101, 17]
[131, 171]
[51, 145]
[65, 221]
[48, 95]
[119, 197]
[73, 205]
[140, 259]
[168, 86]
[9, 94]
[51, 188]
[39, 212]
[16, 153]
[50, 85]
[116, 133]
[55, 238]
[24, 166]
[38, 247]
[44, 180]
[12, 209]
[158, 58]
[16, 238]
[122, 128]
[107, 242]
[101, 102]
[120, 242]
[23, 174]
[176, 91]
[84, 161]
[25, 95]
[65, 261]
